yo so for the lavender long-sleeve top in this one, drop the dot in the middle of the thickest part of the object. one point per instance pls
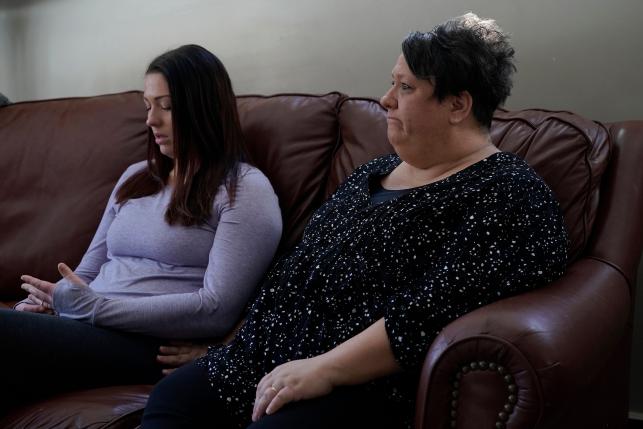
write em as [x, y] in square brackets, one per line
[171, 281]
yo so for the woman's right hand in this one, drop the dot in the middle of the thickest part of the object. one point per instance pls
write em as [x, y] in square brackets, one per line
[33, 308]
[40, 299]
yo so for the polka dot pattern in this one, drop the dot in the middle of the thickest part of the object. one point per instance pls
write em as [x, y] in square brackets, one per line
[419, 261]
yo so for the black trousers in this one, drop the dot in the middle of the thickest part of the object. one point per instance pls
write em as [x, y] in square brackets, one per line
[41, 355]
[185, 399]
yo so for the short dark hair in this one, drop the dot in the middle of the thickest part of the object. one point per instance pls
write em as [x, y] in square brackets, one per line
[466, 53]
[208, 141]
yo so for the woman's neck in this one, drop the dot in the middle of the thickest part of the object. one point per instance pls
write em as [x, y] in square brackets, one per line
[406, 176]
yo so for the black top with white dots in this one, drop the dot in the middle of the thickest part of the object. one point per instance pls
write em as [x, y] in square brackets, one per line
[419, 261]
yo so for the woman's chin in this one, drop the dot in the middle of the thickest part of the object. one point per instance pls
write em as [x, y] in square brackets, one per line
[397, 146]
[167, 152]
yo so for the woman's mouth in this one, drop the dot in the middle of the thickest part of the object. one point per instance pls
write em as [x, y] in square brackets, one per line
[160, 139]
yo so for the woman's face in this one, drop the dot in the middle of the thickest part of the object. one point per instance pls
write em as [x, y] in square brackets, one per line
[156, 96]
[417, 121]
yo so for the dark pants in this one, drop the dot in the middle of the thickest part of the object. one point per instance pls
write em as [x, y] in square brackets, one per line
[41, 355]
[185, 399]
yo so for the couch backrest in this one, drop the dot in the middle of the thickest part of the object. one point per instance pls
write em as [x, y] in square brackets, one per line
[61, 158]
[570, 152]
[362, 127]
[291, 138]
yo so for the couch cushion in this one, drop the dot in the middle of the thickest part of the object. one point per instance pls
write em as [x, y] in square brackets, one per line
[291, 138]
[570, 152]
[105, 408]
[63, 158]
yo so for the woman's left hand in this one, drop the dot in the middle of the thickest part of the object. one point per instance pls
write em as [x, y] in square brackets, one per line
[292, 381]
[178, 353]
[41, 291]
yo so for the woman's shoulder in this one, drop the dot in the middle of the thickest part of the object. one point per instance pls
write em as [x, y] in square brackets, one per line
[132, 169]
[251, 176]
[515, 171]
[252, 187]
[381, 165]
[500, 169]
[511, 181]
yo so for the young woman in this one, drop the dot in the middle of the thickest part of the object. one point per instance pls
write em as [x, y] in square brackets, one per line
[183, 242]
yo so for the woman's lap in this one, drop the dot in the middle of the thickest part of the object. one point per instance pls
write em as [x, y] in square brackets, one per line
[48, 354]
[185, 399]
[344, 408]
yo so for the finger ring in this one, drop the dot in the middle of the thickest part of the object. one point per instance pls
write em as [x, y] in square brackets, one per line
[274, 388]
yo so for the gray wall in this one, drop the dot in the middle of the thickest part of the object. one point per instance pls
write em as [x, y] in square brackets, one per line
[579, 55]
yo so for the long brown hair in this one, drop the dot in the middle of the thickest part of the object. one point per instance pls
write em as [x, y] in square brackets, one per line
[207, 137]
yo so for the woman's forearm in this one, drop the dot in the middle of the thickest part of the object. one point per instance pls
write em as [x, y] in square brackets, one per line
[362, 358]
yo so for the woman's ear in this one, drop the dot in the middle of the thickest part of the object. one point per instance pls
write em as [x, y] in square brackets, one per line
[461, 105]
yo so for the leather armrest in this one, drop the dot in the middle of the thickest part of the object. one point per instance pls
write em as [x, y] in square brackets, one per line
[525, 357]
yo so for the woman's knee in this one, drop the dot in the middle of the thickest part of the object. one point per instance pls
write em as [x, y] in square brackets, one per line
[181, 400]
[183, 384]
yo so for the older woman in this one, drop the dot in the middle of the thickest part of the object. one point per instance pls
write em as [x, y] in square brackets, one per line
[408, 243]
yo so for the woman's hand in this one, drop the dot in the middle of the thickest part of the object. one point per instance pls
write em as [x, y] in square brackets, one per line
[41, 292]
[360, 359]
[293, 381]
[33, 307]
[179, 353]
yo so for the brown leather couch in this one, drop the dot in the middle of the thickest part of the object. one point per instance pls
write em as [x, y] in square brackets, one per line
[557, 357]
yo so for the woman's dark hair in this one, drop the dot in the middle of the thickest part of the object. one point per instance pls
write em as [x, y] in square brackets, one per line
[466, 53]
[207, 139]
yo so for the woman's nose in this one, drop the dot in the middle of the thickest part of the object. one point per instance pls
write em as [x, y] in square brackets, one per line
[152, 118]
[387, 101]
